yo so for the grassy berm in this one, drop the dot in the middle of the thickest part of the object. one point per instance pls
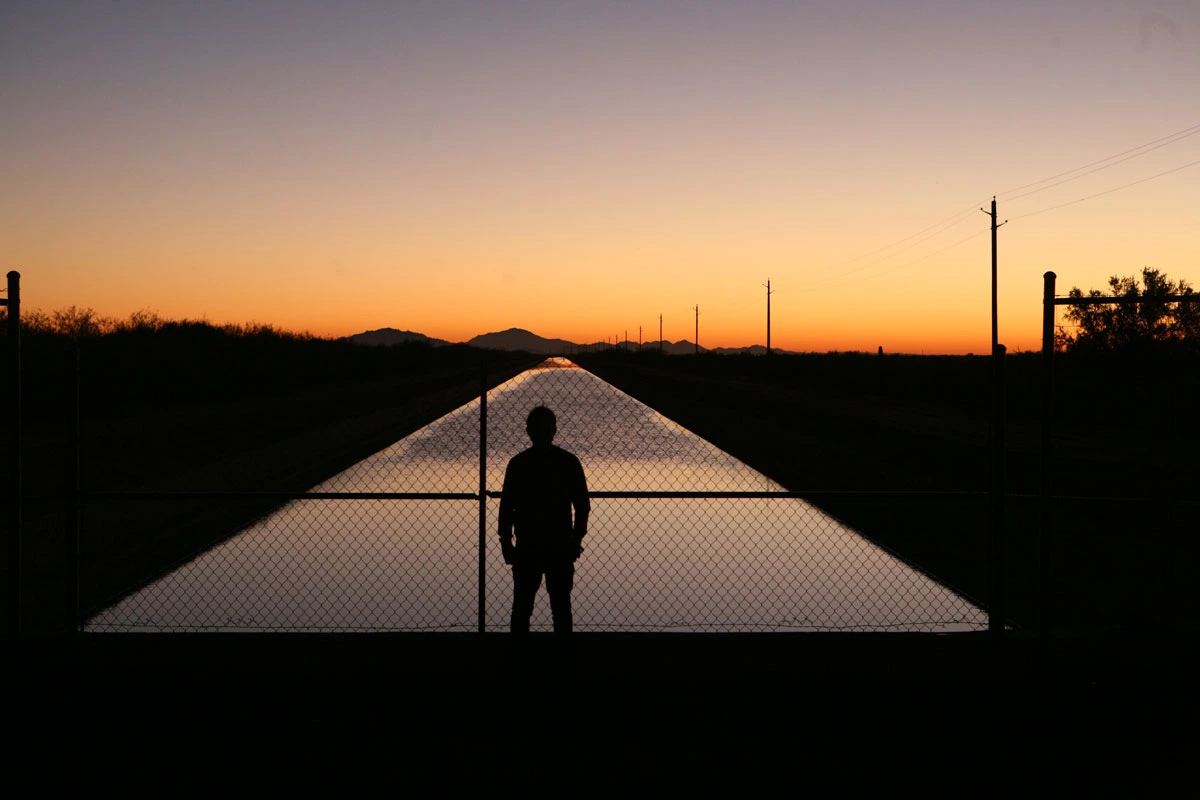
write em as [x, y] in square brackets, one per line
[897, 447]
[193, 408]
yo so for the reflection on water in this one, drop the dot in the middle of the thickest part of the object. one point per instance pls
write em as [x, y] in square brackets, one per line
[650, 564]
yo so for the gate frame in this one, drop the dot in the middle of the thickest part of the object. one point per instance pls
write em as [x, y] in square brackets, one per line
[481, 496]
[1049, 301]
[15, 492]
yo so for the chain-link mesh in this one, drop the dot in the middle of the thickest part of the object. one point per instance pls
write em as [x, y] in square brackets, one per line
[650, 563]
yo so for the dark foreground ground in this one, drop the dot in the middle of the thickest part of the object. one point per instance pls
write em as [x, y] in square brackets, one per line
[844, 712]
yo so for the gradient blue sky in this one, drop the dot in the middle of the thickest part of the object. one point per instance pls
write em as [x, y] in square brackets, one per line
[579, 168]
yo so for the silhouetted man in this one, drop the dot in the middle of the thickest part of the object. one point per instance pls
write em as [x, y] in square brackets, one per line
[541, 485]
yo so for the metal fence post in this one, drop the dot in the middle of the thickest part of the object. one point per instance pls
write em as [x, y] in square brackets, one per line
[15, 493]
[1047, 443]
[996, 613]
[74, 496]
[483, 389]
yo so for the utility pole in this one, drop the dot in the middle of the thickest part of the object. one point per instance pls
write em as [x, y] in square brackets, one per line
[995, 315]
[660, 334]
[697, 342]
[997, 449]
[769, 293]
[639, 338]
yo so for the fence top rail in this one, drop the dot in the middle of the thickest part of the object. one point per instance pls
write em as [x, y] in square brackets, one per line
[631, 495]
[276, 495]
[756, 495]
[605, 495]
[1125, 301]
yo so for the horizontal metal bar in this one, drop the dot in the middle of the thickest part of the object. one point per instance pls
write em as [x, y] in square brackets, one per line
[1124, 301]
[693, 495]
[295, 495]
[497, 495]
[602, 495]
[757, 495]
[680, 495]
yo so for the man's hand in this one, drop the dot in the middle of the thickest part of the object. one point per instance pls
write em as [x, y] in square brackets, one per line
[578, 549]
[509, 552]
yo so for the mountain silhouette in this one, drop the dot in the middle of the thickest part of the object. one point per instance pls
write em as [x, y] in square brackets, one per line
[681, 348]
[521, 339]
[390, 336]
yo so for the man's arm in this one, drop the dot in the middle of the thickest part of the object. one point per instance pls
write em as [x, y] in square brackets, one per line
[582, 504]
[506, 519]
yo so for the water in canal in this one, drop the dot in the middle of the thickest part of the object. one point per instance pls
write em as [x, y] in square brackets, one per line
[774, 564]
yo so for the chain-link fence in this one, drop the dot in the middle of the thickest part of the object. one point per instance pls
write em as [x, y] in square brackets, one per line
[682, 537]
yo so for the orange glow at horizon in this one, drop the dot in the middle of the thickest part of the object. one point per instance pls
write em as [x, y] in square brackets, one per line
[456, 170]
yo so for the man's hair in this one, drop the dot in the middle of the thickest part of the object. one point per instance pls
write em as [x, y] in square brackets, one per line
[541, 416]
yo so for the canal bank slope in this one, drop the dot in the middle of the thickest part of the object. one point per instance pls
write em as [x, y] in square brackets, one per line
[284, 441]
[899, 451]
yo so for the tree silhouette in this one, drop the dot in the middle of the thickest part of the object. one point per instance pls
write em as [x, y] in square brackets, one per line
[1153, 323]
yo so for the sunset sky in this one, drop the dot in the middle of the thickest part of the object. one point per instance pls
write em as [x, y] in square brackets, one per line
[578, 168]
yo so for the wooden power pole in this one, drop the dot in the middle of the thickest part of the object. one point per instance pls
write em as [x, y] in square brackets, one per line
[697, 342]
[769, 293]
[997, 449]
[995, 313]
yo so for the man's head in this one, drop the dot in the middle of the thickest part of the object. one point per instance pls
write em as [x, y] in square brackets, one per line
[541, 425]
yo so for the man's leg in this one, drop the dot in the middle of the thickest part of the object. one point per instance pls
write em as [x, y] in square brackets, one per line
[526, 581]
[560, 579]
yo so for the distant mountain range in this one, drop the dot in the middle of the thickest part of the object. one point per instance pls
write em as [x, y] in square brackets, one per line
[390, 336]
[521, 339]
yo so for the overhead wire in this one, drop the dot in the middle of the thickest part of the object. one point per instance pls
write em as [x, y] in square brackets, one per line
[946, 224]
[1140, 150]
[1110, 191]
[1092, 171]
[949, 222]
[937, 230]
[837, 280]
[963, 240]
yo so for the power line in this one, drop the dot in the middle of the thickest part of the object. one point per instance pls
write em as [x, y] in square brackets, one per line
[945, 225]
[942, 228]
[838, 279]
[951, 246]
[1109, 191]
[951, 221]
[1085, 174]
[1140, 150]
